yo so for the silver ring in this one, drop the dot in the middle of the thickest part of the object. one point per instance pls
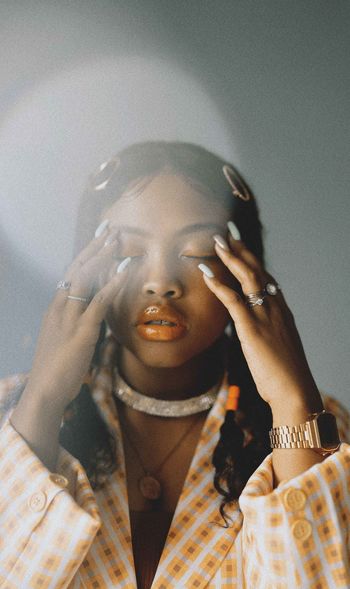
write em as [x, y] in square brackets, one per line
[83, 299]
[255, 298]
[258, 300]
[63, 285]
[271, 288]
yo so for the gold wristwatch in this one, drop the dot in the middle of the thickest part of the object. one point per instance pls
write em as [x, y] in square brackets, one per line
[319, 433]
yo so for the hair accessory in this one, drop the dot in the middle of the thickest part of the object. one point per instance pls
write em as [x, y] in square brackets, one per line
[161, 407]
[100, 179]
[63, 285]
[255, 298]
[232, 398]
[231, 176]
[83, 299]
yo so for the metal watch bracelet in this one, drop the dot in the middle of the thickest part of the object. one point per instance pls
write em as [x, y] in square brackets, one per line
[290, 436]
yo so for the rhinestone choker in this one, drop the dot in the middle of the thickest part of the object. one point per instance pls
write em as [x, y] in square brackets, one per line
[161, 407]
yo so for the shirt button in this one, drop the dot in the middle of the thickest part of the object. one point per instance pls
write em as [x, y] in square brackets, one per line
[59, 480]
[301, 529]
[37, 501]
[294, 499]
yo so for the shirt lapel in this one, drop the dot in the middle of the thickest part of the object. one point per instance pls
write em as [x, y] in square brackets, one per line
[110, 560]
[197, 541]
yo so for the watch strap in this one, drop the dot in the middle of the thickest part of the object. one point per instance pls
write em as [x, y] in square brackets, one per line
[290, 436]
[304, 435]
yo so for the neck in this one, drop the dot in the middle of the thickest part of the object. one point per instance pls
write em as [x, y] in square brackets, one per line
[178, 383]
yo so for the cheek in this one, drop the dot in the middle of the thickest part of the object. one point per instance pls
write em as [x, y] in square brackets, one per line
[119, 315]
[210, 315]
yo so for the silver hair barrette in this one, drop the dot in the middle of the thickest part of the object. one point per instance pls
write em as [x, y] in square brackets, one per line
[105, 171]
[229, 174]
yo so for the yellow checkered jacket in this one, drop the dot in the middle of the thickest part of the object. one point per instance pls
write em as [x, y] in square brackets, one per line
[56, 533]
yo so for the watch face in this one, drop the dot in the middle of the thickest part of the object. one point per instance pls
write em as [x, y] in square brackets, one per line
[327, 426]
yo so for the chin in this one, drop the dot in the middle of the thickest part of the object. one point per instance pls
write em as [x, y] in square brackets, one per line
[163, 357]
[170, 355]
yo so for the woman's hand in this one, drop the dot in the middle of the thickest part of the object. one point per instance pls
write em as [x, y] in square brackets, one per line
[66, 344]
[267, 332]
[70, 328]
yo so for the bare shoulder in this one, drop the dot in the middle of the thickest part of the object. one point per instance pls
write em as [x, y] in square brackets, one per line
[341, 413]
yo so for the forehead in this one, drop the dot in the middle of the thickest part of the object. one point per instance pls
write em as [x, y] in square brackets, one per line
[168, 203]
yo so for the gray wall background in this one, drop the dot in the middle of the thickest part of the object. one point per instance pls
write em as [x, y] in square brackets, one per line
[265, 83]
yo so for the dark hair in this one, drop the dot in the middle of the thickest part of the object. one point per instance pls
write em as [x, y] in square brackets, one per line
[244, 440]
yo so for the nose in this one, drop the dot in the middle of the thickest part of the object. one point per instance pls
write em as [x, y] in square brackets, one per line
[162, 284]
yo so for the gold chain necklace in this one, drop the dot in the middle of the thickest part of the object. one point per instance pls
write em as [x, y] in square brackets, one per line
[149, 485]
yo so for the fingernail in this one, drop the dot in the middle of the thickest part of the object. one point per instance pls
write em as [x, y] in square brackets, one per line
[123, 265]
[206, 270]
[100, 229]
[221, 242]
[233, 229]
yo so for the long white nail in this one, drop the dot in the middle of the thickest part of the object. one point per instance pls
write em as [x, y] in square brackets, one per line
[206, 270]
[233, 229]
[221, 242]
[123, 265]
[100, 229]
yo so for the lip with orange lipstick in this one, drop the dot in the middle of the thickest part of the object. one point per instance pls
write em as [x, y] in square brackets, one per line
[161, 323]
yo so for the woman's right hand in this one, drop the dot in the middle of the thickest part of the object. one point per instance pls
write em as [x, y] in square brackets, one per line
[66, 344]
[70, 328]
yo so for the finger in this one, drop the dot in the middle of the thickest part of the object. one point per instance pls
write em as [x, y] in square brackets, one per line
[231, 300]
[249, 277]
[74, 267]
[86, 276]
[98, 307]
[82, 277]
[95, 246]
[240, 250]
[86, 282]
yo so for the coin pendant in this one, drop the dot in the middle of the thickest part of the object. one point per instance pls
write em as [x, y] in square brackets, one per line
[150, 487]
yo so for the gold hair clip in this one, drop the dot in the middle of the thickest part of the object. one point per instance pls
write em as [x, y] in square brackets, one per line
[114, 164]
[229, 174]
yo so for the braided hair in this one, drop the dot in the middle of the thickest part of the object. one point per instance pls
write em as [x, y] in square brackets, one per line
[244, 440]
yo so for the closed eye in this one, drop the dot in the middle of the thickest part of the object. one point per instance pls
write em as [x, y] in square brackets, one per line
[213, 258]
[132, 257]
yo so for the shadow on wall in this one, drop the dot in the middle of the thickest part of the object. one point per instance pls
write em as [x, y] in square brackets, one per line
[26, 294]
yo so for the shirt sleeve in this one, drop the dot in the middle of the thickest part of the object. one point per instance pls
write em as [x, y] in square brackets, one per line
[297, 535]
[48, 521]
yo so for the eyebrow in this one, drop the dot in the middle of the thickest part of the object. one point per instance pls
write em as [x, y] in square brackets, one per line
[194, 228]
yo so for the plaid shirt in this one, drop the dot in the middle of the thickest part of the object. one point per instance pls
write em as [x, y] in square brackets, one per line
[56, 533]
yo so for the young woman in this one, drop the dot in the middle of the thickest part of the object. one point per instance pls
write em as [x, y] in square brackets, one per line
[137, 451]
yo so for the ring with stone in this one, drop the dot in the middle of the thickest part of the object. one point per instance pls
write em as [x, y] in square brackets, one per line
[63, 285]
[271, 288]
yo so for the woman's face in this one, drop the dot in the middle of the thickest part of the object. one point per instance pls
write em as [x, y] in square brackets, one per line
[165, 315]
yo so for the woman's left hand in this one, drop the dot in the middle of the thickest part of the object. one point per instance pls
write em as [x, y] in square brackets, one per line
[268, 335]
